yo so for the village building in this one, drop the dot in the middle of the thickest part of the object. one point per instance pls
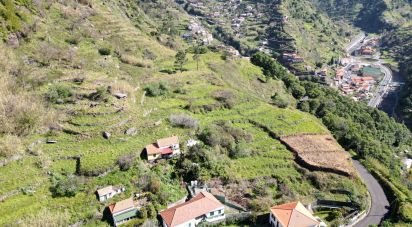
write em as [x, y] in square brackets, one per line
[123, 211]
[292, 215]
[163, 148]
[204, 207]
[367, 50]
[108, 192]
[340, 73]
[355, 68]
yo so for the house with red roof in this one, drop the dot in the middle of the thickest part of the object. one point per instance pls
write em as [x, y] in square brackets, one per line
[292, 215]
[163, 148]
[123, 211]
[204, 207]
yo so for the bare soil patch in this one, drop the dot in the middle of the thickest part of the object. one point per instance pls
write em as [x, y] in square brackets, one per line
[320, 152]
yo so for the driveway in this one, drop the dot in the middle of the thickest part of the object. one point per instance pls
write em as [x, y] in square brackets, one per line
[380, 203]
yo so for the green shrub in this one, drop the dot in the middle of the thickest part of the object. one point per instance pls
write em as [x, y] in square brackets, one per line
[183, 120]
[58, 93]
[104, 51]
[64, 186]
[125, 162]
[280, 101]
[158, 89]
[168, 71]
[101, 94]
[240, 150]
[72, 41]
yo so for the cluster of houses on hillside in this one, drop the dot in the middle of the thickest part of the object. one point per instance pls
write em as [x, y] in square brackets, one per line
[236, 16]
[198, 33]
[202, 204]
[357, 80]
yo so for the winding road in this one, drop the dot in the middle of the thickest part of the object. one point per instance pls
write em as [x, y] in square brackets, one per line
[379, 203]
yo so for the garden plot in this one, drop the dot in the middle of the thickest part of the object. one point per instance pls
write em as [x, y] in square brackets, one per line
[320, 152]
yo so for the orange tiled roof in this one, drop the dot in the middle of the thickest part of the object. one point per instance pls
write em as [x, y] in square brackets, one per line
[152, 149]
[167, 141]
[199, 205]
[121, 205]
[293, 215]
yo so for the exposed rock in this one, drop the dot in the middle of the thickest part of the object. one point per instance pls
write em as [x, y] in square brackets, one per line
[120, 95]
[106, 135]
[50, 141]
[13, 40]
[157, 123]
[131, 131]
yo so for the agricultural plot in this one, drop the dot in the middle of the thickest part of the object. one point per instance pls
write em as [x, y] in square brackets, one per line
[320, 152]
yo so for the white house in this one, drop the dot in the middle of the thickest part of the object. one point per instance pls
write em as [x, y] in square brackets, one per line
[292, 215]
[108, 192]
[204, 207]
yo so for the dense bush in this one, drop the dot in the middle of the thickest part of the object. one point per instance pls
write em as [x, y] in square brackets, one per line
[184, 121]
[226, 97]
[280, 101]
[104, 51]
[64, 186]
[101, 94]
[58, 93]
[223, 134]
[156, 89]
[240, 150]
[125, 162]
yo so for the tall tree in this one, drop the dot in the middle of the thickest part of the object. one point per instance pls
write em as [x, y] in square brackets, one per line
[197, 52]
[180, 60]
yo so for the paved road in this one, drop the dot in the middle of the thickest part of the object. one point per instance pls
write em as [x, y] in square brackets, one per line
[355, 43]
[380, 203]
[383, 88]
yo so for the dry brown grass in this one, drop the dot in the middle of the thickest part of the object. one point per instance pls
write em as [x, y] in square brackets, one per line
[320, 151]
[121, 87]
[21, 112]
[132, 60]
[45, 218]
[10, 145]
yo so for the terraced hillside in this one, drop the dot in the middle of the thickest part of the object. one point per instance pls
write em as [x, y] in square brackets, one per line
[90, 83]
[276, 27]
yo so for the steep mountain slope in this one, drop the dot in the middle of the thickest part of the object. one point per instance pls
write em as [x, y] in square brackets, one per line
[64, 67]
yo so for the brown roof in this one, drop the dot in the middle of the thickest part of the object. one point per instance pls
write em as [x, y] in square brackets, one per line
[165, 142]
[152, 149]
[121, 205]
[199, 205]
[294, 215]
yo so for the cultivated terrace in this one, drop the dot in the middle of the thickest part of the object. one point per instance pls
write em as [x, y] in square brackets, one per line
[109, 114]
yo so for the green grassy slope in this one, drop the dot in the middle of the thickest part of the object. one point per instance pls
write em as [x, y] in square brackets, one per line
[63, 51]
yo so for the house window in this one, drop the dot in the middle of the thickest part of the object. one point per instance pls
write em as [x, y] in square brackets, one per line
[220, 211]
[212, 213]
